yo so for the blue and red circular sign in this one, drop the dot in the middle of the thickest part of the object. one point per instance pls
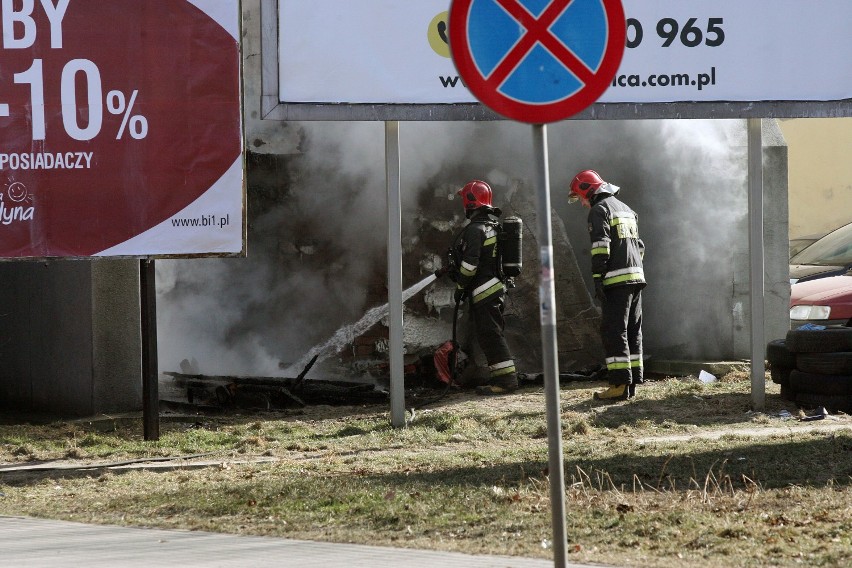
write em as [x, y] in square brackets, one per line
[537, 61]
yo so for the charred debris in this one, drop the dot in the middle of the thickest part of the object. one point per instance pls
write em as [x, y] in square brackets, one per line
[221, 393]
[225, 392]
[215, 393]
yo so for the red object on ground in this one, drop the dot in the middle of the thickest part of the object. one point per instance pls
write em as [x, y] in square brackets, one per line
[442, 362]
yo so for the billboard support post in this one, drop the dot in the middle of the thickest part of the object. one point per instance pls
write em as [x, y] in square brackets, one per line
[756, 260]
[150, 367]
[394, 203]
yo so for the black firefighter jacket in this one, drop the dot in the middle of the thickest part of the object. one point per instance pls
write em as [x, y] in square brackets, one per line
[617, 250]
[476, 253]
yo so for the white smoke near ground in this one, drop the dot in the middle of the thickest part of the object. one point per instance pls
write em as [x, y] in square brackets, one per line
[315, 238]
[317, 232]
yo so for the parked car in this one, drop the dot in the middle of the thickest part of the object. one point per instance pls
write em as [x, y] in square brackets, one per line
[823, 301]
[829, 256]
[798, 244]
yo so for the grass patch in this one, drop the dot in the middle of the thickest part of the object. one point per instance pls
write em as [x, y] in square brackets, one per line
[644, 485]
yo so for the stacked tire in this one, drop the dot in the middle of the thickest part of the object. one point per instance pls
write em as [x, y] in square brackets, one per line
[814, 367]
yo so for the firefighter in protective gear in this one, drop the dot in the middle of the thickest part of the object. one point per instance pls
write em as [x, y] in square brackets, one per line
[617, 255]
[479, 279]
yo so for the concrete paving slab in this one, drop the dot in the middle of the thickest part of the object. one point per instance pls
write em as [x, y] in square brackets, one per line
[38, 543]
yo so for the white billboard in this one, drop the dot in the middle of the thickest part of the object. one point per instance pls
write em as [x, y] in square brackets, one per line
[392, 52]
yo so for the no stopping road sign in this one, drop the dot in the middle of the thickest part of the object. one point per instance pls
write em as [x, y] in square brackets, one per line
[537, 61]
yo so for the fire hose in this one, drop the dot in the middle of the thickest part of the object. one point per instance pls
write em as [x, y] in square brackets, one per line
[454, 353]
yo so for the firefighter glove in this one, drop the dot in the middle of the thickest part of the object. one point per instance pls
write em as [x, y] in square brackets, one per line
[441, 271]
[459, 295]
[600, 293]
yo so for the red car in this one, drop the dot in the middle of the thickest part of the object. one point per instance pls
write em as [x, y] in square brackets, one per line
[824, 301]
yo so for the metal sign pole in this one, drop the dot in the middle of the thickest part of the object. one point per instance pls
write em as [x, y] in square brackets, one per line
[756, 256]
[392, 171]
[547, 296]
[150, 367]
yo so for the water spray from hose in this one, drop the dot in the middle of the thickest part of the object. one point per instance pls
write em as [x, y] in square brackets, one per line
[347, 334]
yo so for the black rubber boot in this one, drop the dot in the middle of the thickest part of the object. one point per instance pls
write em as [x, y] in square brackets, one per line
[502, 385]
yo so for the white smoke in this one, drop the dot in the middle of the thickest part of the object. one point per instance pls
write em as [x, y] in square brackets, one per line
[317, 237]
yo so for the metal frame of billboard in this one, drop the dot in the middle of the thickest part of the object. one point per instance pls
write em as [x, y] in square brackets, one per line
[273, 108]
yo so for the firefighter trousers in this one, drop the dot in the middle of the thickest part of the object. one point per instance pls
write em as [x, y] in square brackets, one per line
[621, 334]
[489, 324]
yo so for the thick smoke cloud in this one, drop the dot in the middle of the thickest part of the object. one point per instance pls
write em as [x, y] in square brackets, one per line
[317, 237]
[687, 182]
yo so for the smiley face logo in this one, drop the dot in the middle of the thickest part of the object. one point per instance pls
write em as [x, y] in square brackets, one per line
[17, 192]
[439, 34]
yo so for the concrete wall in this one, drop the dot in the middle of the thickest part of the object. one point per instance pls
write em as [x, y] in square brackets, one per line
[776, 169]
[775, 244]
[69, 337]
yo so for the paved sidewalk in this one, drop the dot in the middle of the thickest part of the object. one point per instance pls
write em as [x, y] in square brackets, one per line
[36, 543]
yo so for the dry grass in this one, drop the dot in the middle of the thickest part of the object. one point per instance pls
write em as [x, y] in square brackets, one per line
[470, 474]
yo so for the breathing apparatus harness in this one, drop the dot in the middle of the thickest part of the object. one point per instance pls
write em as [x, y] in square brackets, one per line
[509, 258]
[509, 262]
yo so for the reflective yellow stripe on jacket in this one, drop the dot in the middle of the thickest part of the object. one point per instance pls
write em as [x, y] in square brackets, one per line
[631, 274]
[487, 290]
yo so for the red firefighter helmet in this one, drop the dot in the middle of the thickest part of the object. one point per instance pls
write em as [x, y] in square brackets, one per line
[584, 186]
[475, 194]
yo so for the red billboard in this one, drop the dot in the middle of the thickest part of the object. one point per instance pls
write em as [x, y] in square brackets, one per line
[121, 128]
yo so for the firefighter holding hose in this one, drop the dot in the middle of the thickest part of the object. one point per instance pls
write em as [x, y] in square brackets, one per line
[617, 255]
[475, 266]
